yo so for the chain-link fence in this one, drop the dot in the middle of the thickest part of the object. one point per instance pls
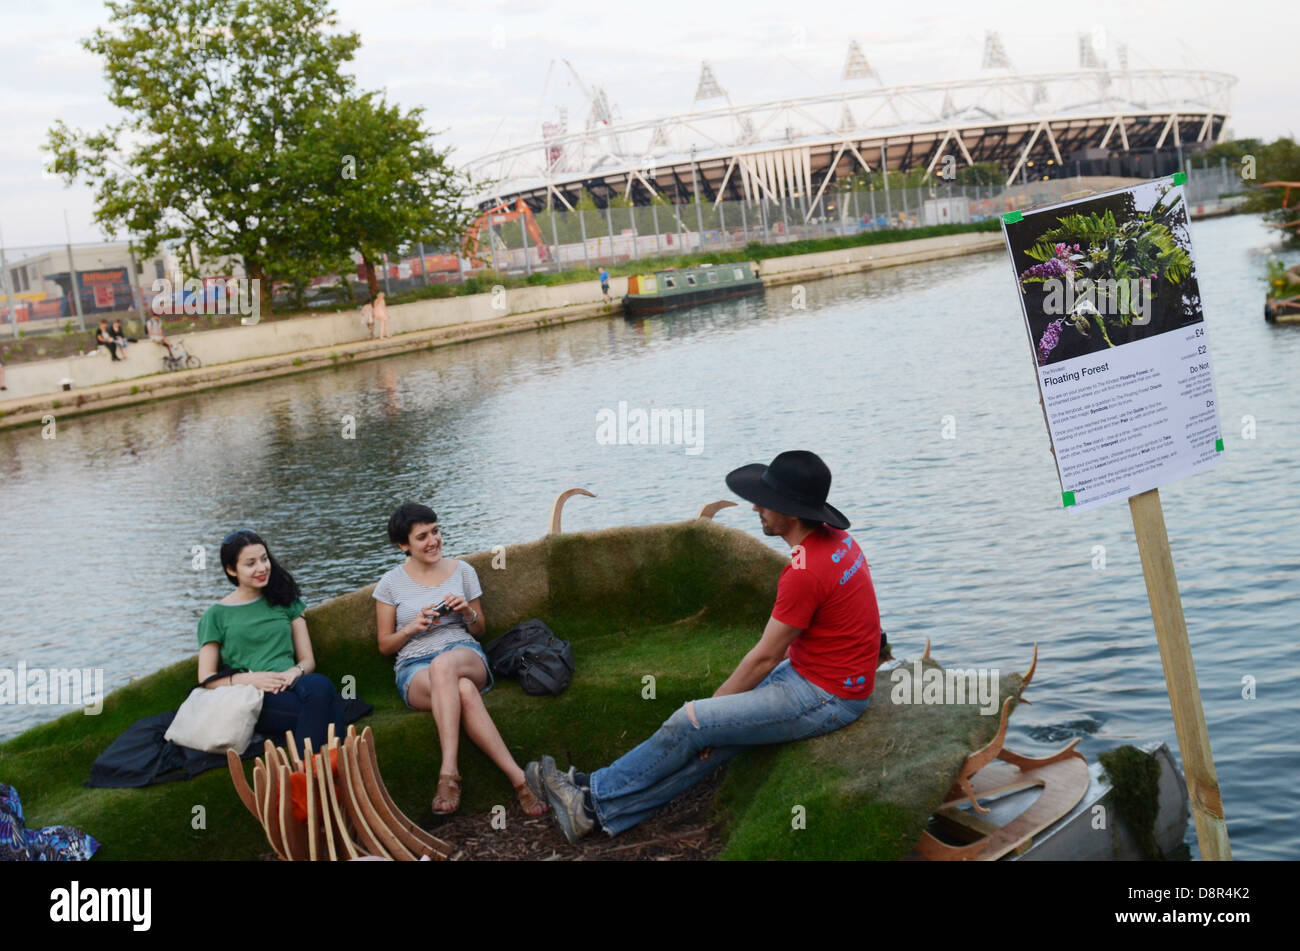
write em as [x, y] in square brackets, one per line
[74, 286]
[59, 286]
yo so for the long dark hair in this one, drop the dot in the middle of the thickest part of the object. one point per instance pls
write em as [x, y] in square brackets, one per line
[281, 589]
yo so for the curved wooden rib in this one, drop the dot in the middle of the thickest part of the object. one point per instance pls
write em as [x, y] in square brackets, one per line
[713, 508]
[1034, 762]
[324, 780]
[926, 654]
[981, 758]
[365, 798]
[558, 508]
[353, 802]
[261, 792]
[352, 799]
[271, 812]
[1029, 674]
[291, 745]
[241, 782]
[293, 831]
[389, 815]
[937, 851]
[313, 817]
[349, 848]
[435, 845]
[274, 757]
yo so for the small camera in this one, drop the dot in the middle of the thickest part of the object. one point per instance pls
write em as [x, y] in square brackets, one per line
[442, 609]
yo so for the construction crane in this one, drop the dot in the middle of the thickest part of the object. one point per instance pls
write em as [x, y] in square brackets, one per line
[498, 215]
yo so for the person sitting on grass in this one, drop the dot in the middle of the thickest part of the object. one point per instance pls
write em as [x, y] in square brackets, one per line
[428, 613]
[119, 336]
[259, 633]
[104, 338]
[154, 327]
[379, 310]
[811, 672]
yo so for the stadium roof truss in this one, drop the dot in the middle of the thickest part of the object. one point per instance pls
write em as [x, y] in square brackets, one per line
[799, 147]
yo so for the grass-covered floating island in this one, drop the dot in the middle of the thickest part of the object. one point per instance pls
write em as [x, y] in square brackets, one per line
[680, 602]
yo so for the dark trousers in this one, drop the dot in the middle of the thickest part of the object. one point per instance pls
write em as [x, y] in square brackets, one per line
[307, 708]
[112, 348]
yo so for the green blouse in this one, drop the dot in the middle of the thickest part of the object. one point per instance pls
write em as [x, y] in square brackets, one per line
[255, 635]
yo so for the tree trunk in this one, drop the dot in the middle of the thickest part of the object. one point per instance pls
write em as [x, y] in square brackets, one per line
[372, 280]
[257, 273]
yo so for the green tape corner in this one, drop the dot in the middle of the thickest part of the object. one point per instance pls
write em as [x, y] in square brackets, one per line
[1011, 217]
[1218, 445]
[1180, 178]
[1067, 499]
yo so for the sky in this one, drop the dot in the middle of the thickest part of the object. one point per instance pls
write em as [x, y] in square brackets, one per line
[488, 74]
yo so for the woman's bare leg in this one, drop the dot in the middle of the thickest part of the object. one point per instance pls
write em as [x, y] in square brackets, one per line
[435, 689]
[480, 728]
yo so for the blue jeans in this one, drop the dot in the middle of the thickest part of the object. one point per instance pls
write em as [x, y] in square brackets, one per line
[307, 708]
[407, 670]
[783, 708]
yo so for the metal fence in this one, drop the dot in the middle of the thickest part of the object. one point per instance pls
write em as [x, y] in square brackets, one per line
[53, 286]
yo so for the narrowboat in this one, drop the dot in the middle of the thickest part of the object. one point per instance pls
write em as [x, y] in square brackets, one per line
[681, 287]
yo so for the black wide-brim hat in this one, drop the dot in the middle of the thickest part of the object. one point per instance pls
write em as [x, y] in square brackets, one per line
[796, 483]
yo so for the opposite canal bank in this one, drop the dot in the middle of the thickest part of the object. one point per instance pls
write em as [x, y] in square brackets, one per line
[245, 354]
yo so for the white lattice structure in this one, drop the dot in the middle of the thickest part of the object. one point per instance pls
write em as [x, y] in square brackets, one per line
[798, 147]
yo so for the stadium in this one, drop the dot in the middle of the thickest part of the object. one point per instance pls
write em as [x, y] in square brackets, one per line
[1096, 119]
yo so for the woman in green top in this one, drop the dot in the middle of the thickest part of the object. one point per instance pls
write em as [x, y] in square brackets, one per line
[257, 635]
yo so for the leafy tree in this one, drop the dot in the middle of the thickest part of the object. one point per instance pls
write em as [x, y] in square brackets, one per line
[241, 136]
[1233, 151]
[383, 185]
[216, 97]
[1278, 162]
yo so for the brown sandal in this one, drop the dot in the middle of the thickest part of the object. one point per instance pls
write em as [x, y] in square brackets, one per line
[448, 791]
[528, 802]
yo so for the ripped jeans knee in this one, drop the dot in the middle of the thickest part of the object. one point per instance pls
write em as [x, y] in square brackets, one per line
[683, 720]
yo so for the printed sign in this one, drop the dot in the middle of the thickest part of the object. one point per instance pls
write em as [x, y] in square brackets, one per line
[1110, 298]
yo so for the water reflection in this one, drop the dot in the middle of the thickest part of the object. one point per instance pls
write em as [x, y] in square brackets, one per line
[966, 538]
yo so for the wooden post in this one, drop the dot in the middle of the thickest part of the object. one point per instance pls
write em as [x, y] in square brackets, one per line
[1180, 675]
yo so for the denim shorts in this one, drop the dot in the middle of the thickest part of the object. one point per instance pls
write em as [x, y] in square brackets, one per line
[408, 669]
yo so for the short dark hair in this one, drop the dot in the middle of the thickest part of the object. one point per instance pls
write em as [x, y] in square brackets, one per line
[407, 516]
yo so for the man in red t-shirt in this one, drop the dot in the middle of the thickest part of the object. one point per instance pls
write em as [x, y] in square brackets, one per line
[811, 672]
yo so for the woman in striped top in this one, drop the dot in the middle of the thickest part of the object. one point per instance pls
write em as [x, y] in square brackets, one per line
[439, 664]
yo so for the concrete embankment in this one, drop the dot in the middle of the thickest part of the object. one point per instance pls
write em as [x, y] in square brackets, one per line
[245, 354]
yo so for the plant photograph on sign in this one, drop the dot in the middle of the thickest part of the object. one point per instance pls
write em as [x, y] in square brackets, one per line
[1105, 271]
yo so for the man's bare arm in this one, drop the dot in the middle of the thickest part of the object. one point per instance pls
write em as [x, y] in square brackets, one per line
[761, 659]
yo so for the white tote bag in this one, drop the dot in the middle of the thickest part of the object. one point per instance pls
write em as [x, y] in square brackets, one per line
[218, 719]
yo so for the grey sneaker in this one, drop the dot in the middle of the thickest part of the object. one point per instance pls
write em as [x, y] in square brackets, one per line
[533, 776]
[565, 798]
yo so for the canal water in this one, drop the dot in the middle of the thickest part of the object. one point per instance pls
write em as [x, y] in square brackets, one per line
[103, 524]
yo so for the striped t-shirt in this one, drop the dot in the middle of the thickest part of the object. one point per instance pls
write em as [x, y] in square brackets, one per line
[408, 597]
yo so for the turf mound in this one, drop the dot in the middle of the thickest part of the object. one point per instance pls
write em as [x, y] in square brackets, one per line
[658, 615]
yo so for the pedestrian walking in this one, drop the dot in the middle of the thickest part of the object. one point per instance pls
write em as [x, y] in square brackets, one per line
[381, 316]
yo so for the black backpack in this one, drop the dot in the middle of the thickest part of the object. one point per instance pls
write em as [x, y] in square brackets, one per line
[531, 653]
